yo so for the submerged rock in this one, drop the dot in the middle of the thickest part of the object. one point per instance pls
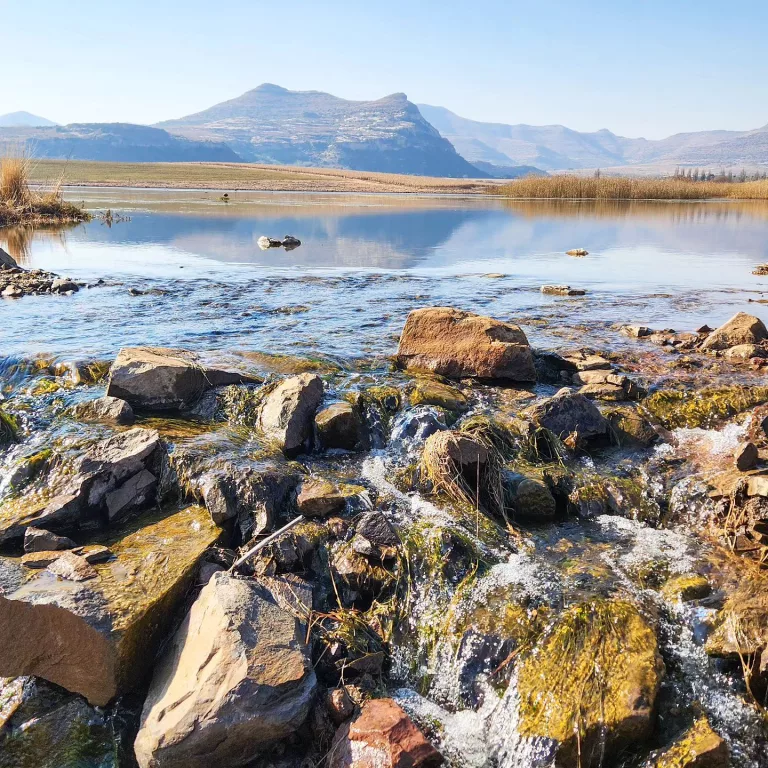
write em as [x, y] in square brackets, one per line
[562, 290]
[529, 498]
[236, 677]
[590, 684]
[98, 637]
[460, 344]
[382, 736]
[567, 413]
[106, 410]
[158, 378]
[287, 413]
[740, 329]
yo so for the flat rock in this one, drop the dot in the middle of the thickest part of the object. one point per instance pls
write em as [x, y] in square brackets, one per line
[382, 736]
[98, 637]
[319, 498]
[427, 391]
[567, 413]
[460, 344]
[72, 567]
[38, 540]
[158, 378]
[740, 329]
[106, 410]
[635, 331]
[236, 677]
[288, 412]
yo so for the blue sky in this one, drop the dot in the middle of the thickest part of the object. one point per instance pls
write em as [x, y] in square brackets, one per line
[643, 68]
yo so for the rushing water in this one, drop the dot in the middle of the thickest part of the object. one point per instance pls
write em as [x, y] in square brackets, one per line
[365, 261]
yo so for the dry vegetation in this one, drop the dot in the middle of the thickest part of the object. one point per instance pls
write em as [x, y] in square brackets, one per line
[20, 203]
[246, 176]
[568, 187]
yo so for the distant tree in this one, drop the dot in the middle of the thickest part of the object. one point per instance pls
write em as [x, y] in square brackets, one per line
[696, 174]
[743, 176]
[690, 174]
[597, 173]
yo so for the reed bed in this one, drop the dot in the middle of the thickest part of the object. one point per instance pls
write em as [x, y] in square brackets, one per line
[569, 187]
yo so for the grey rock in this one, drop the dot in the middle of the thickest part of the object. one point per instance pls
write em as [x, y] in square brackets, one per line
[340, 426]
[569, 412]
[106, 410]
[287, 413]
[64, 285]
[38, 540]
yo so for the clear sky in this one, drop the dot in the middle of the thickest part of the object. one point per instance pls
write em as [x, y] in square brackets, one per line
[642, 68]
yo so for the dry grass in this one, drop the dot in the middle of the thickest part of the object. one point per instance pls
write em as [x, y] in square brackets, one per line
[20, 203]
[568, 187]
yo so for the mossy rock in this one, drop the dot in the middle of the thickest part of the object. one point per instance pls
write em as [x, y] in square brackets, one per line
[631, 427]
[428, 391]
[699, 747]
[9, 428]
[382, 396]
[689, 586]
[702, 408]
[290, 365]
[742, 624]
[591, 682]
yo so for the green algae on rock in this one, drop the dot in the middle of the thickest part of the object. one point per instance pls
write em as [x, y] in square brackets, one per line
[704, 407]
[428, 391]
[591, 682]
[689, 586]
[699, 747]
[98, 638]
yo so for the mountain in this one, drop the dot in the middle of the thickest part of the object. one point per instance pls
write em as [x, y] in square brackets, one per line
[273, 125]
[508, 171]
[122, 142]
[555, 147]
[23, 119]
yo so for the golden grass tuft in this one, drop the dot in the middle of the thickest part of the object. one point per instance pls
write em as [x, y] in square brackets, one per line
[571, 187]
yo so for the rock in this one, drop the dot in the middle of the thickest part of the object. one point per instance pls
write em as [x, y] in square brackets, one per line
[290, 242]
[699, 747]
[562, 290]
[7, 261]
[287, 413]
[594, 716]
[319, 498]
[40, 559]
[236, 677]
[268, 242]
[630, 426]
[340, 705]
[460, 344]
[341, 426]
[154, 378]
[744, 352]
[417, 424]
[531, 499]
[740, 329]
[687, 587]
[635, 331]
[567, 413]
[64, 285]
[106, 410]
[12, 292]
[72, 567]
[382, 736]
[757, 485]
[586, 361]
[427, 391]
[94, 553]
[453, 450]
[107, 481]
[746, 457]
[577, 252]
[98, 637]
[37, 540]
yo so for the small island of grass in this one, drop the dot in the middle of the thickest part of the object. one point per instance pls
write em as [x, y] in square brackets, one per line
[20, 203]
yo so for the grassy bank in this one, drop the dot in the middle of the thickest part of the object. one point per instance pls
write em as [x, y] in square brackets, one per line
[20, 204]
[623, 188]
[245, 176]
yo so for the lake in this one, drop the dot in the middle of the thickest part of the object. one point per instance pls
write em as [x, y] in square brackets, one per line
[365, 261]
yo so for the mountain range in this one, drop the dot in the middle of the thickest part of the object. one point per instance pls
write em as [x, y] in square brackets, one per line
[273, 125]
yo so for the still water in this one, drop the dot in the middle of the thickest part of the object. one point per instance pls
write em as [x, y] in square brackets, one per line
[365, 261]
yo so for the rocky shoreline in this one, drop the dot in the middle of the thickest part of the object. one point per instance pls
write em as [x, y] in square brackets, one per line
[279, 562]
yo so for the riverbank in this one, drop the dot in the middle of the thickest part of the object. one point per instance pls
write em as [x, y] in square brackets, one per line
[245, 176]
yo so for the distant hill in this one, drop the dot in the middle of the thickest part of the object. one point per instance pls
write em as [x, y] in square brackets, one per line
[555, 147]
[508, 171]
[273, 125]
[23, 119]
[119, 142]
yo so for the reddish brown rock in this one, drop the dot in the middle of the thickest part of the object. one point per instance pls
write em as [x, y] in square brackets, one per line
[460, 344]
[382, 736]
[740, 329]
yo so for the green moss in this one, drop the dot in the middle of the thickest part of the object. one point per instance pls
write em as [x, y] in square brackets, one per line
[291, 364]
[384, 397]
[45, 387]
[700, 746]
[594, 674]
[702, 408]
[690, 586]
[9, 428]
[429, 391]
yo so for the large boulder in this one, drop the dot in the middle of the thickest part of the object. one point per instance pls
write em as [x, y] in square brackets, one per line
[236, 677]
[589, 687]
[158, 378]
[98, 637]
[460, 344]
[382, 736]
[114, 477]
[740, 329]
[567, 413]
[287, 413]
